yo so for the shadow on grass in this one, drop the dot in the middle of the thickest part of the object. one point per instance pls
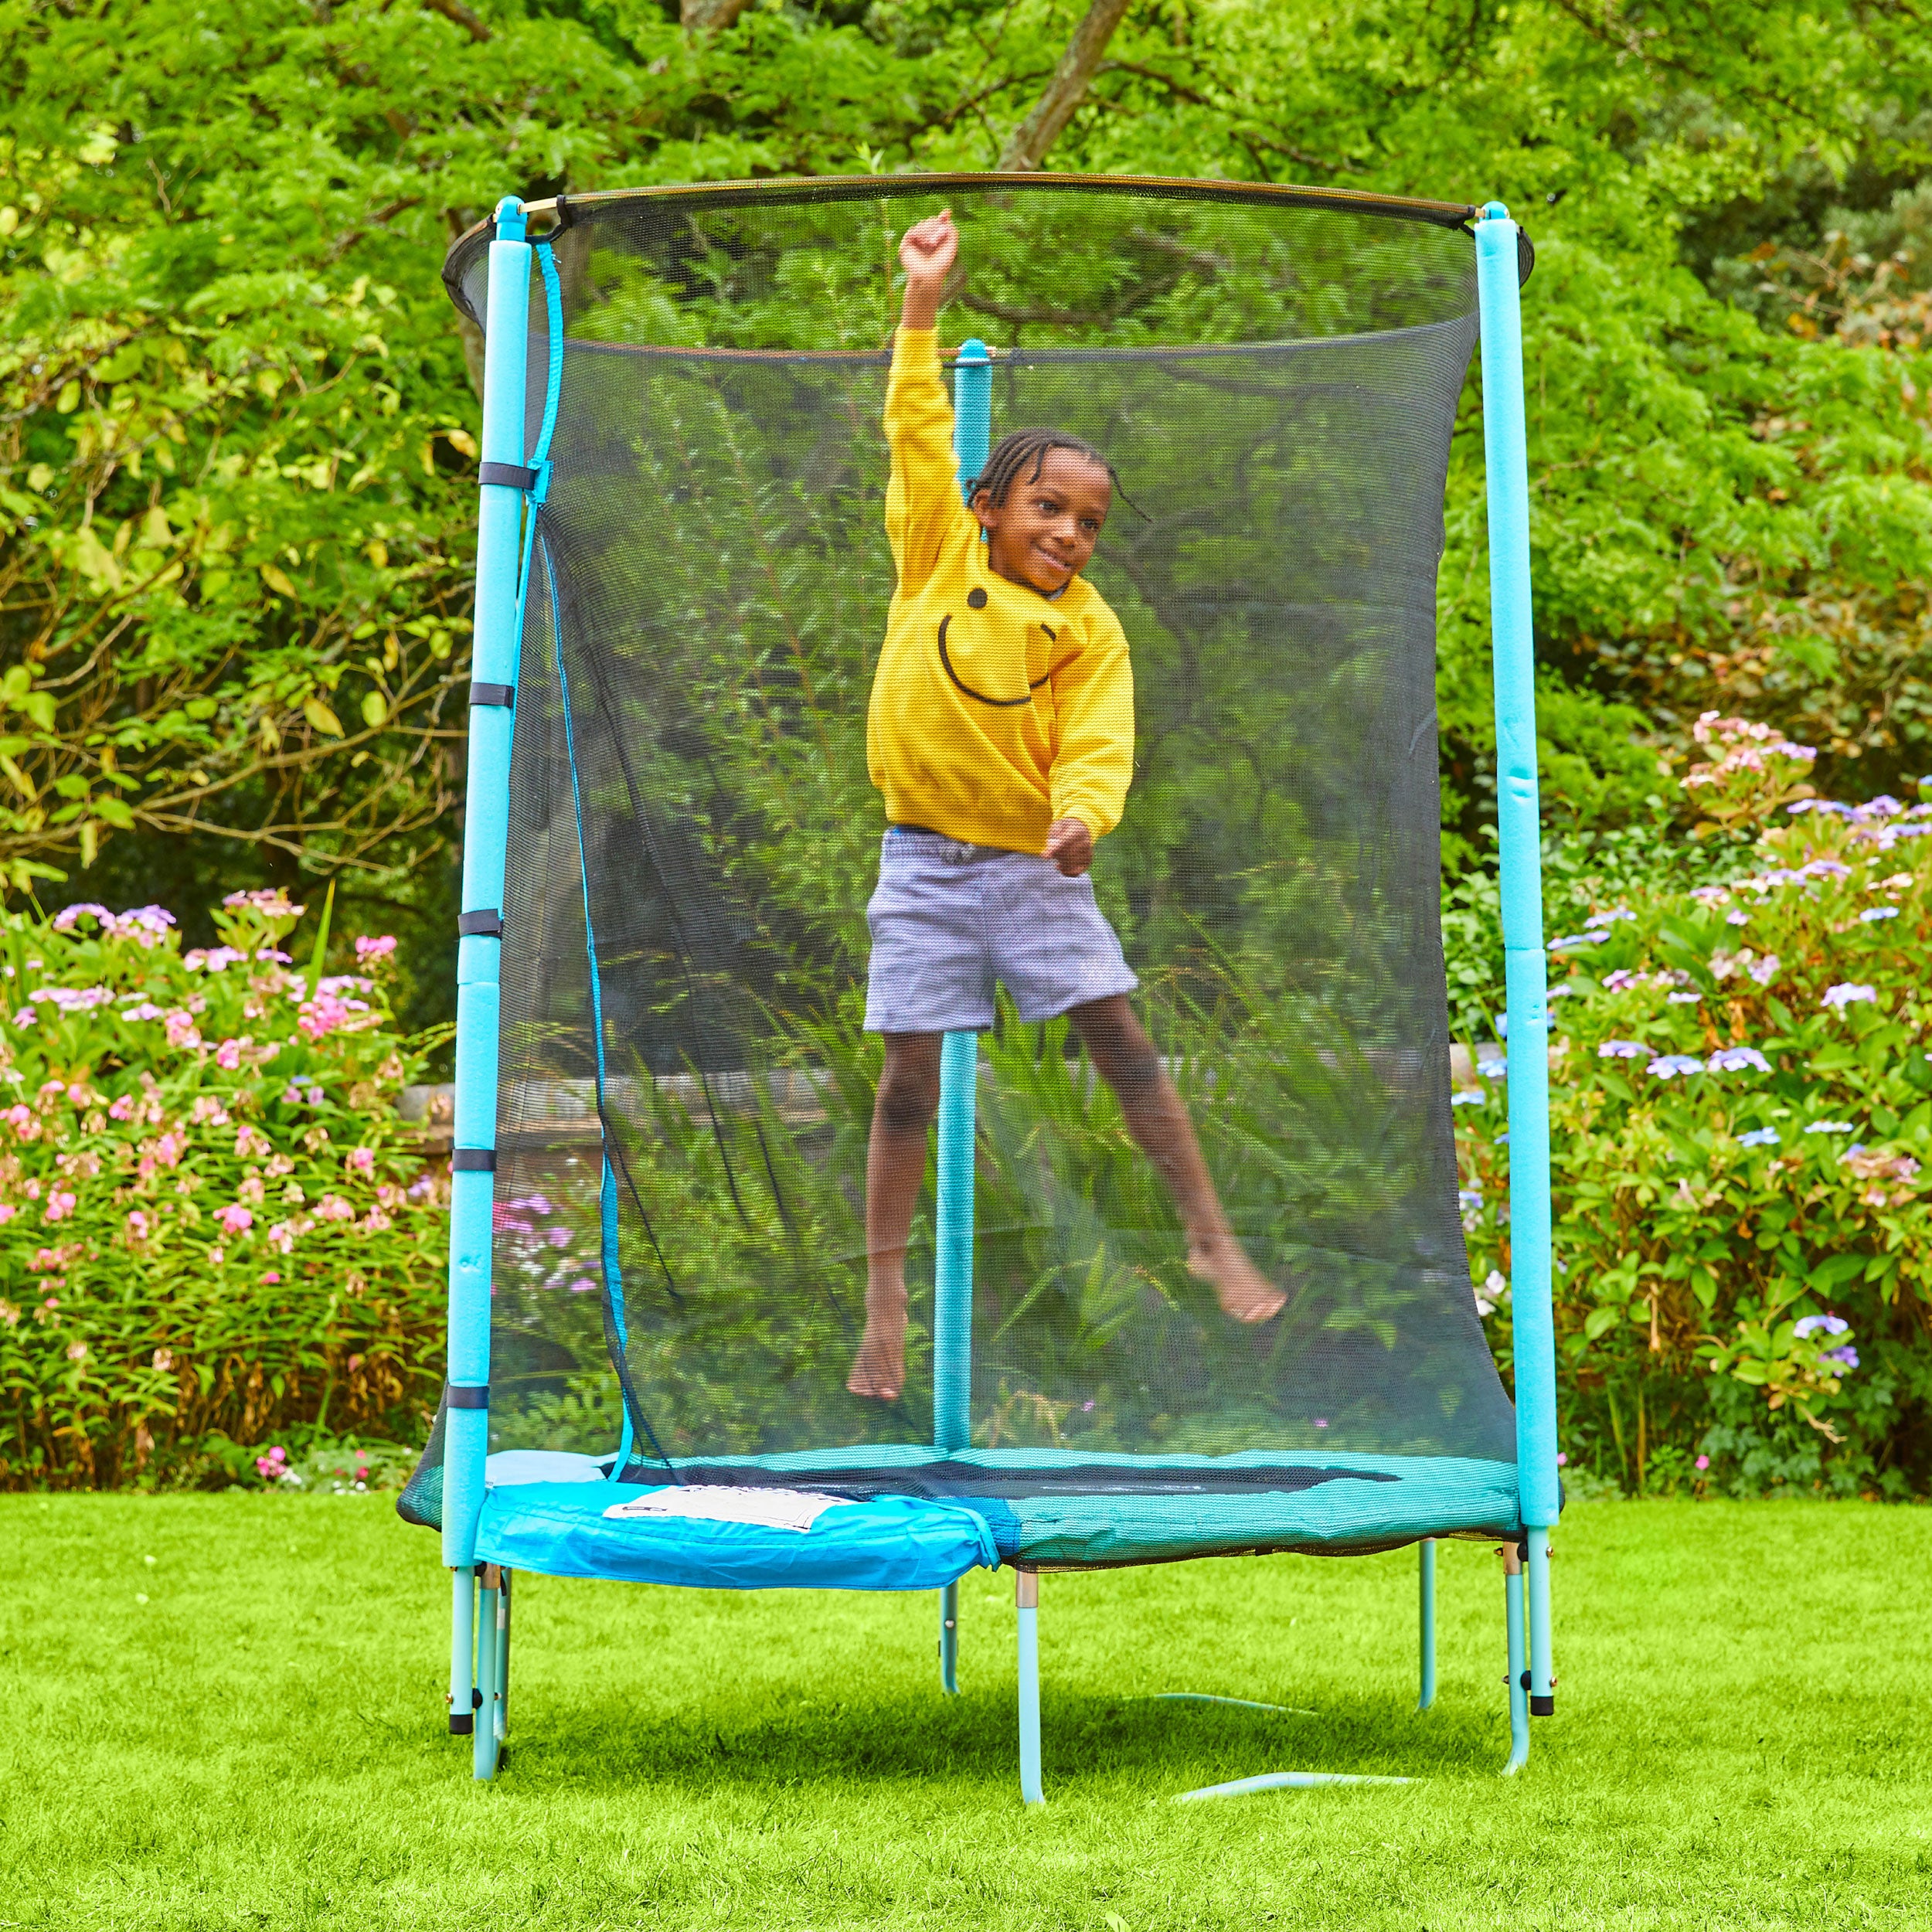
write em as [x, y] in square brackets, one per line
[973, 1739]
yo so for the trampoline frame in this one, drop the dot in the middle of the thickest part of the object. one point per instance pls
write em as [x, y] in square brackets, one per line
[479, 1649]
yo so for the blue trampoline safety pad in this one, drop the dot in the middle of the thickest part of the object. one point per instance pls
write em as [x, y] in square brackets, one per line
[890, 1542]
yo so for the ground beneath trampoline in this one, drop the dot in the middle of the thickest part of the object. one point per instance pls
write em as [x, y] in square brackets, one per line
[1742, 1741]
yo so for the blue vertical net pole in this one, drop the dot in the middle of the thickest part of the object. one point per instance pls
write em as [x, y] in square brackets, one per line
[479, 957]
[958, 1082]
[1498, 290]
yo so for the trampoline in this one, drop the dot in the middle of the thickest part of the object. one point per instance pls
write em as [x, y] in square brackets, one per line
[666, 1316]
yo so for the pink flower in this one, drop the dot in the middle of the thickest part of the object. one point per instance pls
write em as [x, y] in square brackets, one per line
[65, 920]
[367, 949]
[235, 1220]
[273, 901]
[122, 1109]
[361, 1160]
[281, 1237]
[376, 1221]
[1563, 1460]
[60, 1204]
[216, 1256]
[252, 1144]
[7, 1211]
[1703, 1462]
[228, 1055]
[138, 1226]
[270, 1279]
[169, 1149]
[164, 1359]
[76, 1352]
[182, 1029]
[332, 1207]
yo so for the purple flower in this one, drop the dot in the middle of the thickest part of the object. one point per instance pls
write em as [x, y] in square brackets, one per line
[1737, 919]
[1814, 1323]
[557, 1238]
[1829, 1127]
[1621, 1049]
[1824, 869]
[1872, 914]
[1682, 999]
[1848, 1355]
[582, 1285]
[1759, 1137]
[1577, 939]
[1734, 1059]
[1847, 994]
[1623, 977]
[1322, 1422]
[1669, 1066]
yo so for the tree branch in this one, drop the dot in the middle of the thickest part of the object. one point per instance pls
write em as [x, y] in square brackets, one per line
[454, 11]
[1027, 146]
[701, 19]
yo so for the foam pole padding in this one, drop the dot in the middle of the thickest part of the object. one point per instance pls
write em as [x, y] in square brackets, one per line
[485, 831]
[1506, 460]
[959, 1057]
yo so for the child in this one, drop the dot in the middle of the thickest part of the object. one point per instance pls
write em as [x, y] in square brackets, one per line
[1002, 734]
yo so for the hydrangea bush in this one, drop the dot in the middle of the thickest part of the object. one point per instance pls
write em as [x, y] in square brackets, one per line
[1741, 1115]
[216, 1227]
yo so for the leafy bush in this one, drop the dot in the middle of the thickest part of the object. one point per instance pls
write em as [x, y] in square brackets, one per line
[1741, 1111]
[216, 1225]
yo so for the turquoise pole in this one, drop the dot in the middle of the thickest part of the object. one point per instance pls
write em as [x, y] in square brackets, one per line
[949, 1639]
[1026, 1597]
[1427, 1622]
[483, 1743]
[1519, 1663]
[1542, 1697]
[462, 1656]
[1506, 460]
[958, 1082]
[486, 827]
[502, 1667]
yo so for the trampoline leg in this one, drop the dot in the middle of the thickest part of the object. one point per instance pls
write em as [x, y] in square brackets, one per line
[1543, 1696]
[503, 1666]
[462, 1651]
[1519, 1663]
[1426, 1695]
[1026, 1595]
[949, 1639]
[489, 1598]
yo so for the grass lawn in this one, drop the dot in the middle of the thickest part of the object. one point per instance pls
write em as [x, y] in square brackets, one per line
[227, 1711]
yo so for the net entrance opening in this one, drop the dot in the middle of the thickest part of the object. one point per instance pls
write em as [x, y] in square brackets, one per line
[688, 1083]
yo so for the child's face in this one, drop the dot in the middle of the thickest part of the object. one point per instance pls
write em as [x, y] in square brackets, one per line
[1045, 530]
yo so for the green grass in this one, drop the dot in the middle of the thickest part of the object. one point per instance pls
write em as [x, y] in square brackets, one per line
[1743, 1738]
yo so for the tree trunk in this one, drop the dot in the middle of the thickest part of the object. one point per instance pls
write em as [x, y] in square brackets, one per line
[1026, 146]
[702, 18]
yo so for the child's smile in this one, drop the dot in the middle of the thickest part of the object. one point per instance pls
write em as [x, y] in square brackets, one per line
[1044, 533]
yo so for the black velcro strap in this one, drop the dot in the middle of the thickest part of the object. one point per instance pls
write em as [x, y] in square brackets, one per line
[481, 925]
[502, 694]
[515, 474]
[563, 217]
[461, 1398]
[473, 1160]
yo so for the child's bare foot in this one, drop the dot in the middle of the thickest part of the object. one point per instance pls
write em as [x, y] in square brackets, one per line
[1243, 1292]
[879, 1370]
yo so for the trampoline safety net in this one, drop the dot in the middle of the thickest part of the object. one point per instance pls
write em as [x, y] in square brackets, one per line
[687, 1086]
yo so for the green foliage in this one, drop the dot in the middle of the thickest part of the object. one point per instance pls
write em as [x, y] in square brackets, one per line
[1741, 1109]
[210, 1237]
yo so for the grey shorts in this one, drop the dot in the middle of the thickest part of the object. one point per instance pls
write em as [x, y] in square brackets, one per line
[950, 919]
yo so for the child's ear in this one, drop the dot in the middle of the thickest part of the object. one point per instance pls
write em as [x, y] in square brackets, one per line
[981, 506]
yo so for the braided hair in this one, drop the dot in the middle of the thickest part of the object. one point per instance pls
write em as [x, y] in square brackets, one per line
[1013, 454]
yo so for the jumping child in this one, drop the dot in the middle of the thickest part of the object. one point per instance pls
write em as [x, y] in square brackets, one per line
[1000, 733]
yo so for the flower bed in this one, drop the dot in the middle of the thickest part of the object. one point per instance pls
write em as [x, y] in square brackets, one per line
[217, 1228]
[1741, 1113]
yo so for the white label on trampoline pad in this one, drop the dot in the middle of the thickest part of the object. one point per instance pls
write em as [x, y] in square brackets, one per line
[721, 1502]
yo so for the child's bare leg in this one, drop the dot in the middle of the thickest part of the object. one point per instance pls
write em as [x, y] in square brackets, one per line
[902, 1109]
[1158, 1122]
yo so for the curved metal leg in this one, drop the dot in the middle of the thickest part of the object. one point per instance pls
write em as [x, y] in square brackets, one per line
[1026, 1596]
[949, 1639]
[1427, 1623]
[1519, 1662]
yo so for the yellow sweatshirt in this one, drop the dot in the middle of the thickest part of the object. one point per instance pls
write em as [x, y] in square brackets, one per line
[994, 711]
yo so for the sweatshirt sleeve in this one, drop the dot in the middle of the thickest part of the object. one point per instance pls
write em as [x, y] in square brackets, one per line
[1093, 702]
[922, 497]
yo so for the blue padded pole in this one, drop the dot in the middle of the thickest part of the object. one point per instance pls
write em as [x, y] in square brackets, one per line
[1506, 460]
[1519, 1663]
[485, 829]
[1426, 1622]
[1026, 1598]
[959, 1084]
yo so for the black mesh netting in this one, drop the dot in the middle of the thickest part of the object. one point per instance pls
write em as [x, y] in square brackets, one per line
[692, 823]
